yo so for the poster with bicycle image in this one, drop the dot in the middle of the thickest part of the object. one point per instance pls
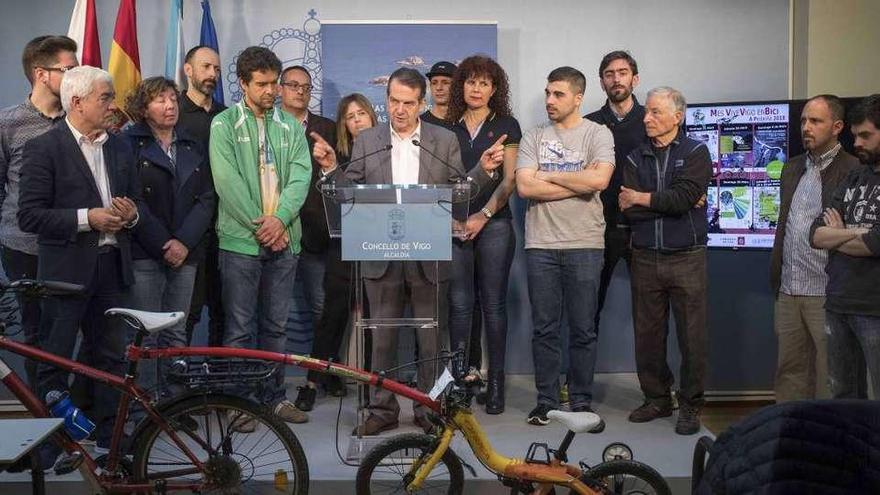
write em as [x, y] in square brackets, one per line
[748, 145]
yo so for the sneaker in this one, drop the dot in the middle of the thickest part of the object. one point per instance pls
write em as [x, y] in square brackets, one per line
[563, 394]
[289, 412]
[649, 411]
[538, 416]
[688, 420]
[305, 398]
[241, 423]
[599, 428]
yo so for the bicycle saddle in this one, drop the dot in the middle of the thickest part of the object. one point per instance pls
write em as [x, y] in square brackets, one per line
[150, 321]
[578, 422]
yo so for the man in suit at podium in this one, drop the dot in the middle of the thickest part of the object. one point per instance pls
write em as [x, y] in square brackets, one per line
[407, 151]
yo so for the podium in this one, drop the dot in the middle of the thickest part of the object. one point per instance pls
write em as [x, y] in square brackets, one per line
[393, 223]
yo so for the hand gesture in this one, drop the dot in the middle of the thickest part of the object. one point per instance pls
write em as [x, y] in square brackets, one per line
[104, 220]
[493, 157]
[627, 197]
[323, 153]
[833, 219]
[175, 253]
[270, 229]
[124, 208]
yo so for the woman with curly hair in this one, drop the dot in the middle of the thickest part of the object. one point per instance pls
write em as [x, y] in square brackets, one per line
[479, 110]
[176, 185]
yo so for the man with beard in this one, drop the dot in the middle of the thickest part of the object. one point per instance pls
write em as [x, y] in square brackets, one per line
[197, 109]
[261, 167]
[797, 271]
[622, 113]
[562, 167]
[850, 231]
[45, 60]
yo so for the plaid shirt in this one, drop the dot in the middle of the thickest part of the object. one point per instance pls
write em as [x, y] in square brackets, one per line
[803, 268]
[18, 125]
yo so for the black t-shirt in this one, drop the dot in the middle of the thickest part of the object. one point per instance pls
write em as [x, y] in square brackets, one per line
[472, 149]
[432, 119]
[629, 133]
[852, 281]
[195, 120]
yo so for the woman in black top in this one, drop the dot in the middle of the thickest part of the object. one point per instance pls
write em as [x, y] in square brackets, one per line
[354, 114]
[479, 110]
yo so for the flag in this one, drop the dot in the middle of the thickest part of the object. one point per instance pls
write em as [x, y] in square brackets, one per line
[84, 30]
[125, 63]
[174, 45]
[209, 38]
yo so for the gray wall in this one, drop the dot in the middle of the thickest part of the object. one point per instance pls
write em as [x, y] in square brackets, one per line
[713, 50]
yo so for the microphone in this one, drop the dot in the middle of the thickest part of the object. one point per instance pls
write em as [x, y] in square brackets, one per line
[458, 175]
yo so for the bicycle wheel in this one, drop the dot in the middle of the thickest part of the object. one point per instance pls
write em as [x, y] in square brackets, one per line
[622, 476]
[234, 461]
[386, 468]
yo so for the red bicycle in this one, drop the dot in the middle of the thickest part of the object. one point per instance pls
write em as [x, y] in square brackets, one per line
[191, 442]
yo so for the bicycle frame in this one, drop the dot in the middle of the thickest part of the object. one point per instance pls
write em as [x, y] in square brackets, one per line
[555, 473]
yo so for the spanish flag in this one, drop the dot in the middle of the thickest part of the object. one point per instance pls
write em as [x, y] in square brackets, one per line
[125, 62]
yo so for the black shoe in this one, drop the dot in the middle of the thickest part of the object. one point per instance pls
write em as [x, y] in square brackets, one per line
[538, 416]
[688, 420]
[305, 398]
[599, 428]
[495, 394]
[649, 411]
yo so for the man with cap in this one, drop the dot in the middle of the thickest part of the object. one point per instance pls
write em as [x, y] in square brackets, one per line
[440, 79]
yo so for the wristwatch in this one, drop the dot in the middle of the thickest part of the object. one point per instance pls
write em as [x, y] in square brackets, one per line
[487, 213]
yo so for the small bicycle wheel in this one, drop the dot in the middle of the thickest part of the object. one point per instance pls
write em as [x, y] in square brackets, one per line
[622, 476]
[242, 447]
[387, 468]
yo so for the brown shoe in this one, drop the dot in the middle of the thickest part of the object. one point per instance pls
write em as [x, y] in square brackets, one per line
[424, 423]
[373, 426]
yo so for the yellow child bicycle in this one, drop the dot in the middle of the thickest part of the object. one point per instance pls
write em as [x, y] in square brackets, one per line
[421, 463]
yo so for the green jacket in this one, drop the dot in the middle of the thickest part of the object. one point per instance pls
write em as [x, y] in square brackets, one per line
[235, 162]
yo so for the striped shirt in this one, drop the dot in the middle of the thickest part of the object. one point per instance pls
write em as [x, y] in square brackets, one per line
[18, 125]
[803, 268]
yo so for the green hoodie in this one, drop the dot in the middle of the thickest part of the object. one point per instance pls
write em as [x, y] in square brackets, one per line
[235, 164]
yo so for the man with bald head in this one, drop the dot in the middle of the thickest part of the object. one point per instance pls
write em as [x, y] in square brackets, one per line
[197, 109]
[797, 270]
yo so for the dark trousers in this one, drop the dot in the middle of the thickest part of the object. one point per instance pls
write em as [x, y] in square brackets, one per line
[661, 280]
[478, 293]
[19, 265]
[63, 316]
[616, 247]
[330, 326]
[208, 291]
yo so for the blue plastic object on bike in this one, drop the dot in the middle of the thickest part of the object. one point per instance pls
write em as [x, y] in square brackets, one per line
[77, 424]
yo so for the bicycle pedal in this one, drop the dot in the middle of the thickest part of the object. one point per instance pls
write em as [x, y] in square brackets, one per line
[67, 463]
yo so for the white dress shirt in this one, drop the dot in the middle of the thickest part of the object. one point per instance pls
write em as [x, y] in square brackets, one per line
[93, 152]
[405, 157]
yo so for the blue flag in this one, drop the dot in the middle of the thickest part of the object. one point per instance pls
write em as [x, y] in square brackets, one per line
[209, 38]
[174, 45]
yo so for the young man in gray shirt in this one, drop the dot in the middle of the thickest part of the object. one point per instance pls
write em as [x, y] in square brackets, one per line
[562, 167]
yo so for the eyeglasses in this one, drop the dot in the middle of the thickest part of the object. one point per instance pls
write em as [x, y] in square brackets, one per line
[59, 69]
[295, 86]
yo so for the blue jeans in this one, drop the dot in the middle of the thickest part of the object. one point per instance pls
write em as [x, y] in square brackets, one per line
[564, 280]
[158, 287]
[310, 273]
[481, 269]
[257, 293]
[853, 348]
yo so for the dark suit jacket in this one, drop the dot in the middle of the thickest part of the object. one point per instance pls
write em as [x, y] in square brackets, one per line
[56, 181]
[792, 172]
[315, 236]
[376, 169]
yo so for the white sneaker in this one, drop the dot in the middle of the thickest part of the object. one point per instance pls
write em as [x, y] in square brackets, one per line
[241, 423]
[287, 411]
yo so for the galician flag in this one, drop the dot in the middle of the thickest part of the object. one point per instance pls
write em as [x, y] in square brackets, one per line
[174, 47]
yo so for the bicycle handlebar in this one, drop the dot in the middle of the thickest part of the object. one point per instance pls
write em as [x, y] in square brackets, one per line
[44, 288]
